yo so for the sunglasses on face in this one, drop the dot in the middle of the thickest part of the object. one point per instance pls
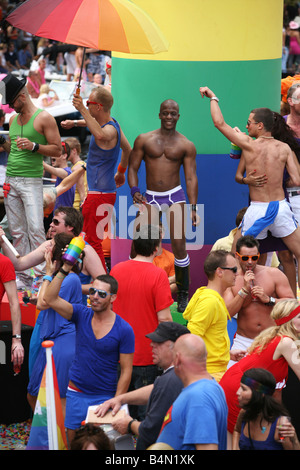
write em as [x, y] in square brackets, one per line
[234, 269]
[55, 222]
[102, 293]
[247, 257]
[92, 102]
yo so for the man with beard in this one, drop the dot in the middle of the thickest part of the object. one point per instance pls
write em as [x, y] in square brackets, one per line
[103, 340]
[256, 290]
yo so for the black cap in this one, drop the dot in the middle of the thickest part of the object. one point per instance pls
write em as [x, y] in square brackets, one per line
[168, 330]
[10, 86]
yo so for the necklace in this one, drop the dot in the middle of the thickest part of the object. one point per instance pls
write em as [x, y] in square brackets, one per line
[266, 137]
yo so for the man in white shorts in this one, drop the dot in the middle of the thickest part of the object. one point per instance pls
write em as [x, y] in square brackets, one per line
[269, 157]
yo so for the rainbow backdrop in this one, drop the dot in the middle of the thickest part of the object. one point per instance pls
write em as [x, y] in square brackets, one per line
[39, 437]
[234, 47]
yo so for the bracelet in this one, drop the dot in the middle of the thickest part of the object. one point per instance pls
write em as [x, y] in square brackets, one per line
[121, 169]
[244, 290]
[47, 278]
[129, 426]
[2, 140]
[16, 336]
[35, 147]
[62, 271]
[83, 166]
[134, 190]
[243, 182]
[75, 123]
[194, 207]
[214, 98]
[242, 294]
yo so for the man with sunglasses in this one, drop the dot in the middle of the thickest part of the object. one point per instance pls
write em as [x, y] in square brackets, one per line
[207, 314]
[256, 290]
[269, 157]
[33, 133]
[103, 340]
[107, 145]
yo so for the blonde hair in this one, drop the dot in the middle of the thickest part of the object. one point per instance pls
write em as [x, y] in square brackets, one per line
[104, 97]
[44, 88]
[282, 309]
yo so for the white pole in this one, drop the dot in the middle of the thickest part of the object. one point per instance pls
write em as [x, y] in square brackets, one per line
[51, 410]
[10, 246]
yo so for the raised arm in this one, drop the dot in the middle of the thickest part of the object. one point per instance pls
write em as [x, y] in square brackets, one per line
[51, 292]
[238, 138]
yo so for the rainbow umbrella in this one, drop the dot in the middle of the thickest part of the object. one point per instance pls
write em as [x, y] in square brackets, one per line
[111, 25]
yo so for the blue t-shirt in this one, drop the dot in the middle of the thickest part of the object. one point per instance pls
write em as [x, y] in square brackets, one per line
[66, 198]
[197, 416]
[95, 367]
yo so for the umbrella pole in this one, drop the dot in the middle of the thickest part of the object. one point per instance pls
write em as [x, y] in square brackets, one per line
[79, 81]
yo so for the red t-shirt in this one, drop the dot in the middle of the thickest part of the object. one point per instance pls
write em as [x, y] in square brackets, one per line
[7, 273]
[143, 291]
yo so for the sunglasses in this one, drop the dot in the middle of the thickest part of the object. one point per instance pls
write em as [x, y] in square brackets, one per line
[247, 257]
[93, 102]
[234, 269]
[102, 293]
[56, 222]
[251, 122]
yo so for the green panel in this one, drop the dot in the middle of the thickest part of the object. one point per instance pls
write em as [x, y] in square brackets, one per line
[140, 86]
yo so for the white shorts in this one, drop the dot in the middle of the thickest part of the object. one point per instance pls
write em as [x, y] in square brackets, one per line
[283, 225]
[295, 201]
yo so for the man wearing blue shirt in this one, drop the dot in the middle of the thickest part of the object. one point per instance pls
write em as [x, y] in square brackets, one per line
[103, 339]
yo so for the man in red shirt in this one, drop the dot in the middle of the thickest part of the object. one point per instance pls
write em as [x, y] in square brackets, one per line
[143, 300]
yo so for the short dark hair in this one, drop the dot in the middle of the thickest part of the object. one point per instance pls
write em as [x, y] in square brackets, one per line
[108, 279]
[264, 115]
[65, 148]
[215, 260]
[146, 240]
[73, 218]
[248, 241]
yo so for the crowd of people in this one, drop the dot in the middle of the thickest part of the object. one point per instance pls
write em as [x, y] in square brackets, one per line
[115, 340]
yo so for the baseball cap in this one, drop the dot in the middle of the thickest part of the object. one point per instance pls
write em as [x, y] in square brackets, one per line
[167, 330]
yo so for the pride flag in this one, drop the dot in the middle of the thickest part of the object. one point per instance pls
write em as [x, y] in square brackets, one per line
[47, 429]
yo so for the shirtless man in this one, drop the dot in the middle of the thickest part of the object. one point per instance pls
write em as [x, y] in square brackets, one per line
[257, 288]
[164, 151]
[269, 209]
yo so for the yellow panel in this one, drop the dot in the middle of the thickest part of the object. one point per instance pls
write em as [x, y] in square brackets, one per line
[218, 30]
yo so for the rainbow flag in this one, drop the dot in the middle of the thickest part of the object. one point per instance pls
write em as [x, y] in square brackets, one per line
[42, 436]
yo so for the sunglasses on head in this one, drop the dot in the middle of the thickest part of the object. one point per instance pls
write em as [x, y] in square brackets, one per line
[247, 257]
[102, 293]
[234, 269]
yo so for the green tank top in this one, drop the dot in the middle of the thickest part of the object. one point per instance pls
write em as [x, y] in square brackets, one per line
[24, 162]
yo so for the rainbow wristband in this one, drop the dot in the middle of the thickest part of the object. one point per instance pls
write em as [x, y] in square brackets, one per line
[121, 169]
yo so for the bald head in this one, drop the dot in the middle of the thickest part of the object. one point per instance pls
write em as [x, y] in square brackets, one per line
[167, 103]
[191, 348]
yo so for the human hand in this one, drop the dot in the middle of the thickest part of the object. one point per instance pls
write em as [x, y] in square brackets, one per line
[205, 91]
[237, 354]
[17, 352]
[24, 144]
[121, 424]
[256, 180]
[114, 404]
[119, 179]
[78, 102]
[68, 124]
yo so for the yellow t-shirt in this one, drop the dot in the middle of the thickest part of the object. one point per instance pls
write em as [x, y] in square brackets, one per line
[207, 317]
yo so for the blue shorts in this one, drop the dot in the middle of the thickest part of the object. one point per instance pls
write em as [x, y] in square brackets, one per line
[77, 404]
[168, 198]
